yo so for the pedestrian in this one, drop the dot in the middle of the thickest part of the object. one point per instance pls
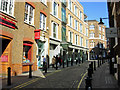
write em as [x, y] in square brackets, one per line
[56, 61]
[59, 60]
[47, 59]
[53, 62]
[44, 63]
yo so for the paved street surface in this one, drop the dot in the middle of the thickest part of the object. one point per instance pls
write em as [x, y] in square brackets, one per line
[68, 77]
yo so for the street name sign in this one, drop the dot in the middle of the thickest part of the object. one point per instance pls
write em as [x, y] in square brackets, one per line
[111, 32]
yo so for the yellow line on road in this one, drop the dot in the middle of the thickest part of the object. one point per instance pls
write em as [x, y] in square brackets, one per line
[32, 81]
[81, 81]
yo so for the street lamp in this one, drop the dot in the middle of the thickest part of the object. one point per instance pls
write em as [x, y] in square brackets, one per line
[101, 20]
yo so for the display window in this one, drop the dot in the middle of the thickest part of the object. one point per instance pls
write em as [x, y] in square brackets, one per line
[27, 53]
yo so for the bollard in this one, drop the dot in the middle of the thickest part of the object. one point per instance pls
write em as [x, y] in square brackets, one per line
[89, 72]
[63, 63]
[67, 63]
[45, 67]
[71, 62]
[79, 61]
[30, 71]
[56, 66]
[98, 63]
[94, 65]
[76, 62]
[88, 84]
[9, 76]
[91, 66]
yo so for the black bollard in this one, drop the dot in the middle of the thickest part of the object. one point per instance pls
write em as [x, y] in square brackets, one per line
[94, 65]
[56, 66]
[71, 62]
[9, 76]
[79, 61]
[98, 64]
[88, 84]
[45, 67]
[76, 62]
[30, 71]
[89, 72]
[63, 63]
[67, 63]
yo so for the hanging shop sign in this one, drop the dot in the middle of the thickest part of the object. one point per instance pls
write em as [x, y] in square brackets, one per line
[37, 34]
[111, 32]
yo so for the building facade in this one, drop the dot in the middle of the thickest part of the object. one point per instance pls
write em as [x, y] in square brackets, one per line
[114, 47]
[97, 39]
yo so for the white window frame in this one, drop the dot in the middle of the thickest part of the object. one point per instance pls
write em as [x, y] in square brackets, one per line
[70, 5]
[81, 28]
[103, 29]
[27, 20]
[81, 41]
[75, 10]
[41, 24]
[100, 28]
[8, 7]
[80, 16]
[86, 43]
[76, 42]
[86, 31]
[76, 24]
[100, 36]
[53, 9]
[91, 27]
[71, 36]
[56, 30]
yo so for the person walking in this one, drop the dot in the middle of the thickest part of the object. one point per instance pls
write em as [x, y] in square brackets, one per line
[56, 61]
[53, 62]
[59, 60]
[44, 64]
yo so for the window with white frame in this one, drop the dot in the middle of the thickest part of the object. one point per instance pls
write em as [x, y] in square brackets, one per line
[44, 1]
[100, 28]
[100, 45]
[80, 15]
[103, 37]
[76, 24]
[92, 35]
[75, 10]
[55, 9]
[54, 30]
[7, 6]
[100, 36]
[29, 14]
[70, 5]
[92, 27]
[86, 31]
[86, 43]
[80, 27]
[103, 29]
[92, 44]
[81, 41]
[70, 37]
[76, 39]
[42, 21]
[70, 20]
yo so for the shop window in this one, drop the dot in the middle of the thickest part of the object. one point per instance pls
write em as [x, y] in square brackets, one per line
[27, 53]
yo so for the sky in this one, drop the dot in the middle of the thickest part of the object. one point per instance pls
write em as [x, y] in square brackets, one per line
[96, 10]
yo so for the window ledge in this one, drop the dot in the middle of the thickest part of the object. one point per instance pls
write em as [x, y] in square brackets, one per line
[29, 24]
[7, 14]
[45, 4]
[56, 17]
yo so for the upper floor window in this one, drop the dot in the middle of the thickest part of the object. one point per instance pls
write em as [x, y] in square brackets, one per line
[86, 43]
[44, 1]
[54, 30]
[100, 36]
[70, 5]
[86, 31]
[80, 27]
[71, 37]
[76, 39]
[92, 27]
[100, 28]
[42, 21]
[70, 20]
[63, 14]
[80, 15]
[103, 29]
[92, 35]
[29, 14]
[103, 37]
[75, 10]
[7, 6]
[55, 8]
[76, 24]
[81, 41]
